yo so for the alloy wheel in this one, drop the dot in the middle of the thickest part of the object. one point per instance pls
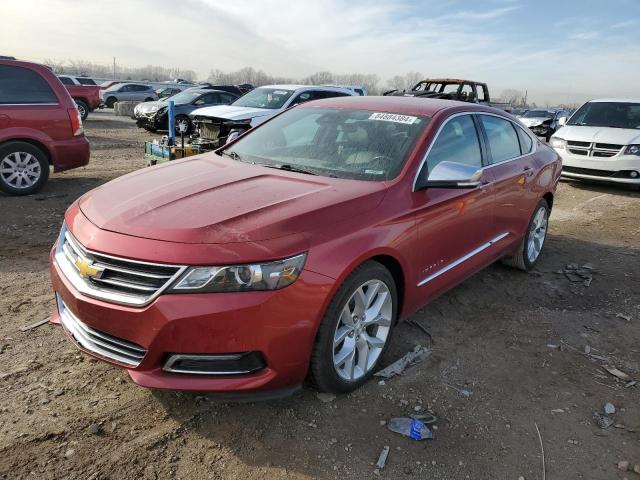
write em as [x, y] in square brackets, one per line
[537, 234]
[362, 330]
[20, 170]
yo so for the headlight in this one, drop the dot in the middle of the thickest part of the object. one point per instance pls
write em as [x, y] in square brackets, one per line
[557, 142]
[240, 278]
[61, 235]
[632, 150]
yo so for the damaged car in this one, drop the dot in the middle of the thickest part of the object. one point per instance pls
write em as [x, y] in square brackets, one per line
[215, 126]
[153, 116]
[543, 122]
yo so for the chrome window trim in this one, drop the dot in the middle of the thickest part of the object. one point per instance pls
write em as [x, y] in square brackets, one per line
[534, 142]
[462, 259]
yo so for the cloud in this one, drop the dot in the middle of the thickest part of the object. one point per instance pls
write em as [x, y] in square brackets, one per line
[625, 24]
[584, 36]
[500, 42]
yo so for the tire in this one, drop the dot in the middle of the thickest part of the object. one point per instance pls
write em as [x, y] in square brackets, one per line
[110, 102]
[526, 257]
[185, 119]
[24, 168]
[333, 368]
[83, 108]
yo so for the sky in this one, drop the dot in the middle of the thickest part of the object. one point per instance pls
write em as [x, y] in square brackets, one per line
[559, 51]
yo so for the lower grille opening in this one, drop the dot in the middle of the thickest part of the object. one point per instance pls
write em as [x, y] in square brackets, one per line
[601, 173]
[223, 364]
[100, 343]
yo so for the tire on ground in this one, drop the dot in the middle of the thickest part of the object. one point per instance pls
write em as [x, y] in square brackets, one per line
[520, 258]
[323, 374]
[9, 148]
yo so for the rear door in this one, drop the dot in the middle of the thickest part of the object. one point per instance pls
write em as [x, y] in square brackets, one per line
[455, 226]
[28, 101]
[512, 168]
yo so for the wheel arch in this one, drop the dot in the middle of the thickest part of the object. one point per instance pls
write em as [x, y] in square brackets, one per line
[33, 142]
[549, 198]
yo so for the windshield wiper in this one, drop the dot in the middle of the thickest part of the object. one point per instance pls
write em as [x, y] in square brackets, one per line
[233, 155]
[288, 167]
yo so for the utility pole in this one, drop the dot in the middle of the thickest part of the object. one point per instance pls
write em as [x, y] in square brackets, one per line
[114, 68]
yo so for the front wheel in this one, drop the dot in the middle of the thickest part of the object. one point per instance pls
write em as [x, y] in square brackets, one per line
[111, 101]
[356, 330]
[182, 125]
[529, 251]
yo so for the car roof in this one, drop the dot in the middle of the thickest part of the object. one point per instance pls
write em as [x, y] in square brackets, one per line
[301, 87]
[401, 105]
[617, 100]
[448, 80]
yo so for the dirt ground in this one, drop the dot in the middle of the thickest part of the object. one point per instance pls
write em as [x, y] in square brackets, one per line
[515, 342]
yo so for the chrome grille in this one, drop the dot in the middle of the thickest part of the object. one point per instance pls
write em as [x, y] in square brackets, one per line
[598, 150]
[100, 343]
[109, 278]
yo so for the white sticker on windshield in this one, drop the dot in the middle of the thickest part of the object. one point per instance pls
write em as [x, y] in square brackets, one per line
[393, 117]
[280, 92]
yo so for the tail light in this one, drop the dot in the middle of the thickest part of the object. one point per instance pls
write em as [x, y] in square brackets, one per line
[76, 122]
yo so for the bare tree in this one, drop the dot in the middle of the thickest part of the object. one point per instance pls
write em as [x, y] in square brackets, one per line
[514, 97]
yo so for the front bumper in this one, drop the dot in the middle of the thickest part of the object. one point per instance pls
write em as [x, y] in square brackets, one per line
[615, 169]
[279, 326]
[542, 130]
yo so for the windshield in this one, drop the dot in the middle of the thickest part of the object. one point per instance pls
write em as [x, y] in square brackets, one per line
[537, 114]
[355, 144]
[184, 97]
[271, 98]
[607, 114]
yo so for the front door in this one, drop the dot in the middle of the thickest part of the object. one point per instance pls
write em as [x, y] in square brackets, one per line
[455, 226]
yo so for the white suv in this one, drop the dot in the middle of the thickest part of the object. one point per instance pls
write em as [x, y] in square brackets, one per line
[601, 141]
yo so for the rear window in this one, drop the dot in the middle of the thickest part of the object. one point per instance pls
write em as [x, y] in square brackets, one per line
[19, 85]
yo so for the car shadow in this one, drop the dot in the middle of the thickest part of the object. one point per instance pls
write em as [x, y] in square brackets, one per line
[473, 327]
[620, 189]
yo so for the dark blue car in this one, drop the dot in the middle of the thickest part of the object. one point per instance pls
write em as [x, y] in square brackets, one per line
[153, 116]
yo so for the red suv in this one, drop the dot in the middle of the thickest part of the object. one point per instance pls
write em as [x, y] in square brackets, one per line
[294, 250]
[39, 127]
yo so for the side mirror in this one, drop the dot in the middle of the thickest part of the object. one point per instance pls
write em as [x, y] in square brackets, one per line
[450, 175]
[562, 121]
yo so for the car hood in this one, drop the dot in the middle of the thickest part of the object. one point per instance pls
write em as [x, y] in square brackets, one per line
[533, 121]
[231, 112]
[619, 136]
[146, 107]
[211, 199]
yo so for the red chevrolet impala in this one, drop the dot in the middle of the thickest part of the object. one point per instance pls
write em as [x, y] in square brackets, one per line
[293, 251]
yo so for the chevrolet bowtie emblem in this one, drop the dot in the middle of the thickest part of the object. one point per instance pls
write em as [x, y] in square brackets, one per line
[86, 268]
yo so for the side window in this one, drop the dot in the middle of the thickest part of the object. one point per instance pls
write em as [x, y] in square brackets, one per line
[208, 98]
[20, 85]
[480, 97]
[327, 94]
[125, 88]
[526, 144]
[467, 93]
[66, 81]
[503, 139]
[457, 142]
[303, 97]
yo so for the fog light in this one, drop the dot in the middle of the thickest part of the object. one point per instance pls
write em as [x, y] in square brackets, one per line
[633, 174]
[221, 364]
